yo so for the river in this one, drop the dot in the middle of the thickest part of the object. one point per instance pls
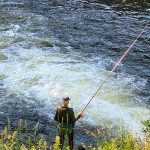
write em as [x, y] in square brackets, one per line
[50, 49]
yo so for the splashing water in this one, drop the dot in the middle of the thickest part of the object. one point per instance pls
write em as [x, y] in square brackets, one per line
[34, 67]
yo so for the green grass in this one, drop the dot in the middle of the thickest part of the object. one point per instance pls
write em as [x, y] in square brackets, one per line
[22, 140]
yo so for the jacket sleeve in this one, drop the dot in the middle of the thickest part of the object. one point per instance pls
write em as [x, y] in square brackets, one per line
[74, 119]
[77, 117]
[72, 116]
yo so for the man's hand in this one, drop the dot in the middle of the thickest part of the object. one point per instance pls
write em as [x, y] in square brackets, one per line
[80, 115]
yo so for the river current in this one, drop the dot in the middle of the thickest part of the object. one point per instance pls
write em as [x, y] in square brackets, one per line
[55, 48]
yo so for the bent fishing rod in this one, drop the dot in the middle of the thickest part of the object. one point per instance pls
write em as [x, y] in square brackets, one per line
[110, 73]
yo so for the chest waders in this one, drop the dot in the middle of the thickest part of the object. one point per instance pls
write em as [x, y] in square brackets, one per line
[66, 119]
[66, 132]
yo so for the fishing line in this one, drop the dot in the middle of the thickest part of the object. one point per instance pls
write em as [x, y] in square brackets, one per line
[110, 73]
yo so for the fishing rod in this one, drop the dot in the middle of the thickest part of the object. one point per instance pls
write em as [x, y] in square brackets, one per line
[113, 69]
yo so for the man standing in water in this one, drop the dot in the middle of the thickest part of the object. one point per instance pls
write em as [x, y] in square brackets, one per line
[66, 121]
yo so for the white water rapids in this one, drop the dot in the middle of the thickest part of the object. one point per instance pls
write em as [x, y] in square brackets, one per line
[30, 69]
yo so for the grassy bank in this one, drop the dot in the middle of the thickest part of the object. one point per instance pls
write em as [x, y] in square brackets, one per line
[22, 139]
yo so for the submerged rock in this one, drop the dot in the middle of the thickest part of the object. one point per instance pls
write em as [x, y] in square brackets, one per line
[3, 57]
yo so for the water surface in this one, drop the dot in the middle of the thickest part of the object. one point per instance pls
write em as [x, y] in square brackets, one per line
[50, 49]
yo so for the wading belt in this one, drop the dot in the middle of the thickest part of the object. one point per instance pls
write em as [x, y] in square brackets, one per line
[65, 126]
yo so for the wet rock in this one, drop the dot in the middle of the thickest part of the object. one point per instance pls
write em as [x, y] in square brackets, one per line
[3, 57]
[44, 44]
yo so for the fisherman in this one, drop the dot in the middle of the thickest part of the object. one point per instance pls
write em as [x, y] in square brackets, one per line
[66, 122]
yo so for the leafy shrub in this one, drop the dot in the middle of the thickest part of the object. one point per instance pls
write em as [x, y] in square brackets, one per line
[16, 141]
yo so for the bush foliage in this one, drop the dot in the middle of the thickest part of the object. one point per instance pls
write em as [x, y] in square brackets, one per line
[16, 141]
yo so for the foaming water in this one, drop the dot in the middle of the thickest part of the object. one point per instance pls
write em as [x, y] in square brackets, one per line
[34, 67]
